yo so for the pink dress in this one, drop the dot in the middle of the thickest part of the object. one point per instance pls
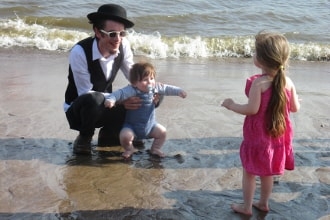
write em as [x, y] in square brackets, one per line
[261, 154]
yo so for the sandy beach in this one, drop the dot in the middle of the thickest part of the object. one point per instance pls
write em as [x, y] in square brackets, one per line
[200, 178]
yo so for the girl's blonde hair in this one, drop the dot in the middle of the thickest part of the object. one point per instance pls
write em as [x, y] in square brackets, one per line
[273, 51]
[141, 70]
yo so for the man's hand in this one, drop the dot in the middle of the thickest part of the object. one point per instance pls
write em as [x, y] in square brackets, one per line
[132, 103]
[158, 99]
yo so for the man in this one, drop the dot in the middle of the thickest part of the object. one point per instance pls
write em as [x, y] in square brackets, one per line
[93, 65]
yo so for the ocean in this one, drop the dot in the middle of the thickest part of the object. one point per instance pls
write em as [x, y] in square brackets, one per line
[194, 29]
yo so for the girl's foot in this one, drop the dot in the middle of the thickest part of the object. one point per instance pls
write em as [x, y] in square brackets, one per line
[157, 152]
[128, 153]
[239, 208]
[261, 207]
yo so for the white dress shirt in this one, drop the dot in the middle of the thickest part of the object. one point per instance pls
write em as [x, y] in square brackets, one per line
[79, 67]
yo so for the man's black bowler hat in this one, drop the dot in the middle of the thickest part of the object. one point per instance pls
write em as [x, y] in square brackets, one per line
[112, 12]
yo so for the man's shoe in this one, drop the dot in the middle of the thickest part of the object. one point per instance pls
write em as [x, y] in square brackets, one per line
[107, 138]
[82, 145]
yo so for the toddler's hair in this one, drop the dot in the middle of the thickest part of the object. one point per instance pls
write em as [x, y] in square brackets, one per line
[141, 70]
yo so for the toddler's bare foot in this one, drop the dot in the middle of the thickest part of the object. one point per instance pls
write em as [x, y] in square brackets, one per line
[128, 153]
[261, 207]
[239, 208]
[157, 152]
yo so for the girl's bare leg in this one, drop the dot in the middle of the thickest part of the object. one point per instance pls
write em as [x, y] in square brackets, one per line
[265, 192]
[126, 137]
[249, 186]
[159, 135]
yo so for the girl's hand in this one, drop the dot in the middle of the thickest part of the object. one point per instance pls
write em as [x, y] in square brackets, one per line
[227, 103]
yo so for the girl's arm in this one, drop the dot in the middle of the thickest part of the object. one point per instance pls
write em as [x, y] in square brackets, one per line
[252, 107]
[294, 102]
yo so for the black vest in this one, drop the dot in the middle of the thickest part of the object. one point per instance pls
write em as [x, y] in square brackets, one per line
[97, 77]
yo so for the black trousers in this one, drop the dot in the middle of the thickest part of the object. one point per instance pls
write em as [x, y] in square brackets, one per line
[87, 112]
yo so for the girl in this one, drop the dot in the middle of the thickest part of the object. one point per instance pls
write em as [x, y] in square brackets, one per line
[266, 149]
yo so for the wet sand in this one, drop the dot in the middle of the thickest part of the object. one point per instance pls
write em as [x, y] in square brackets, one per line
[200, 178]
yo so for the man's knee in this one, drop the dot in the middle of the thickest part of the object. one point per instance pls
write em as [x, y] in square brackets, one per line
[92, 99]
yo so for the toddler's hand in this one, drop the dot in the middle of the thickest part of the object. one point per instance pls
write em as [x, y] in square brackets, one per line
[183, 94]
[108, 103]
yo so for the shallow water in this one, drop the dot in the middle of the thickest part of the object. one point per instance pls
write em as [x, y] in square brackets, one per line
[195, 182]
